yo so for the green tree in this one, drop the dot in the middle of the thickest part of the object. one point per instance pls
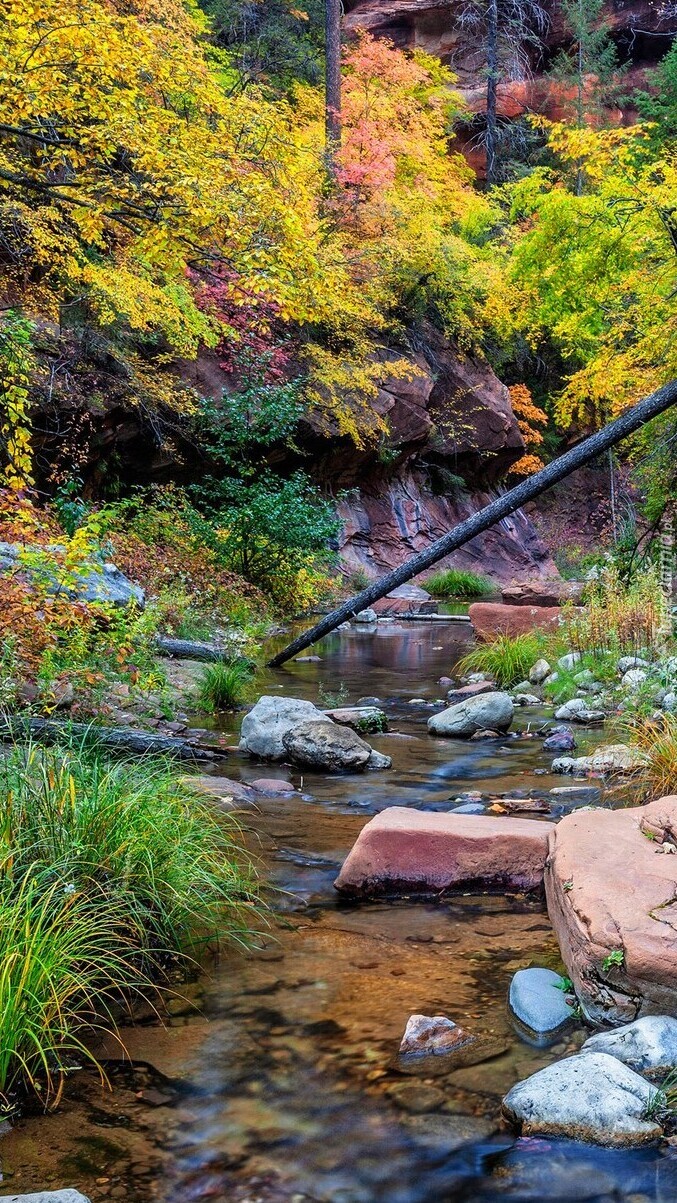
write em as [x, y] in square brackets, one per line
[271, 41]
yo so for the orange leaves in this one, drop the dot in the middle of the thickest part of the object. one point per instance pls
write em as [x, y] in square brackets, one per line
[529, 417]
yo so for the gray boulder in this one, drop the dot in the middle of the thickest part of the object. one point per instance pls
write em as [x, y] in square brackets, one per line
[538, 1000]
[324, 745]
[607, 758]
[366, 617]
[578, 711]
[48, 1196]
[569, 662]
[591, 1097]
[669, 703]
[628, 662]
[649, 1043]
[93, 582]
[633, 678]
[539, 671]
[378, 761]
[269, 720]
[561, 739]
[491, 711]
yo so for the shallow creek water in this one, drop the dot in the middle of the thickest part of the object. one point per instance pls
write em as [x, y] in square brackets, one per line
[284, 1084]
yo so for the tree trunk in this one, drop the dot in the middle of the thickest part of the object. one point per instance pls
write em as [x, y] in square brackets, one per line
[586, 451]
[332, 82]
[117, 739]
[189, 649]
[492, 84]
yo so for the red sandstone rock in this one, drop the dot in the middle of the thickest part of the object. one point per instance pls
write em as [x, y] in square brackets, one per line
[611, 889]
[402, 849]
[542, 593]
[491, 618]
[406, 599]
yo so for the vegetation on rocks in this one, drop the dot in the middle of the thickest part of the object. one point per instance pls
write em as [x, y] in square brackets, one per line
[457, 582]
[506, 659]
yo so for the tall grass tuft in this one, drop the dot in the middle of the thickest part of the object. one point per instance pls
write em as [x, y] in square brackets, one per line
[65, 958]
[225, 686]
[112, 875]
[507, 658]
[458, 582]
[656, 739]
[154, 843]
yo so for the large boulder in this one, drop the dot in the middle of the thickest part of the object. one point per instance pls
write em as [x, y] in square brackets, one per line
[591, 1097]
[611, 896]
[648, 1044]
[578, 711]
[330, 748]
[406, 599]
[488, 712]
[264, 727]
[402, 849]
[92, 582]
[463, 692]
[556, 592]
[361, 718]
[490, 619]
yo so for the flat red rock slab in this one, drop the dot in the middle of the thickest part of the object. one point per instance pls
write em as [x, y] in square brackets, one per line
[470, 691]
[403, 850]
[490, 619]
[612, 892]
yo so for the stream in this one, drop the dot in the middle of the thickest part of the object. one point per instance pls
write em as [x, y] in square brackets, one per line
[276, 1079]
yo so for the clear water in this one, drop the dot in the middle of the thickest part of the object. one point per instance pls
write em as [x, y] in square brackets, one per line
[285, 1085]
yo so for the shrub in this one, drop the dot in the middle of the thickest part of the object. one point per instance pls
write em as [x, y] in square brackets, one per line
[457, 582]
[224, 686]
[618, 618]
[507, 658]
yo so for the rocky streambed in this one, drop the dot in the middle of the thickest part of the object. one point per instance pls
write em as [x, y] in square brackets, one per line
[286, 1082]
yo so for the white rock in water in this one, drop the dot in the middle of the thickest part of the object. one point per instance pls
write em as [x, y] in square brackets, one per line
[648, 1043]
[578, 711]
[538, 1000]
[366, 617]
[48, 1196]
[488, 711]
[591, 1097]
[608, 758]
[266, 724]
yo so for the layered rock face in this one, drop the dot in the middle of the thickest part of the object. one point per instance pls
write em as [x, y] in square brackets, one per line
[452, 435]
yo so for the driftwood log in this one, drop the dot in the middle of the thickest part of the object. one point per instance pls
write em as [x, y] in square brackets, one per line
[118, 739]
[504, 505]
[188, 649]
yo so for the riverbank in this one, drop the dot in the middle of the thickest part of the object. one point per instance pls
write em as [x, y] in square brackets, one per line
[290, 1059]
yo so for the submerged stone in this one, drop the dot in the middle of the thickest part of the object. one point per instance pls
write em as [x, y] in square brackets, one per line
[434, 1035]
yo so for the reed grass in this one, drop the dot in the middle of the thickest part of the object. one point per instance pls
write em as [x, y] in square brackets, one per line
[225, 686]
[113, 875]
[507, 658]
[457, 582]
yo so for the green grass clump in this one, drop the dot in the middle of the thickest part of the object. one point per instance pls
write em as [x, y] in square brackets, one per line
[507, 658]
[224, 686]
[457, 582]
[112, 875]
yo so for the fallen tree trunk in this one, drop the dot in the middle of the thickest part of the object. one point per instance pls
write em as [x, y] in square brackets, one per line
[118, 739]
[577, 457]
[189, 649]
